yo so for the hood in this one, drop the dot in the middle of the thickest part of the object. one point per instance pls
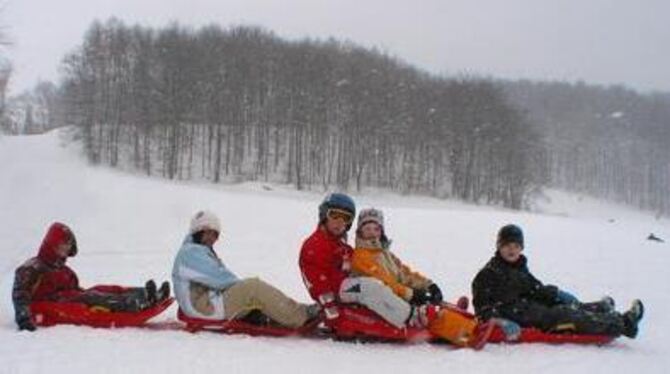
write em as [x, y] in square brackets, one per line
[57, 235]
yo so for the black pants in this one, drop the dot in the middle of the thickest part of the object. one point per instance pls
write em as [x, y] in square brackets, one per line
[589, 318]
[116, 300]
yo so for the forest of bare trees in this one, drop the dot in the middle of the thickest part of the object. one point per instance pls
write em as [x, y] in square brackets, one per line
[241, 104]
[608, 142]
[5, 72]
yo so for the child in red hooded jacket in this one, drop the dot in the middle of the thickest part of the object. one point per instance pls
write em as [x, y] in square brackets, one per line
[47, 278]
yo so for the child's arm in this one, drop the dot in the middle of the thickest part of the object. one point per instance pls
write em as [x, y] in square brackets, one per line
[364, 263]
[409, 277]
[198, 266]
[546, 294]
[26, 280]
[487, 294]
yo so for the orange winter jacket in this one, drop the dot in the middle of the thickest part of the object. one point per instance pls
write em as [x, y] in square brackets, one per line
[370, 259]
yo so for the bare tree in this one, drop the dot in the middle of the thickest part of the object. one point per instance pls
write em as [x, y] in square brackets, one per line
[5, 71]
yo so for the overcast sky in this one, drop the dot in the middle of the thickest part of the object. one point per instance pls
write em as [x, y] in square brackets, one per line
[598, 41]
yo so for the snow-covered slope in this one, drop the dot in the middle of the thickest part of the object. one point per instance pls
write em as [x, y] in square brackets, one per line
[129, 228]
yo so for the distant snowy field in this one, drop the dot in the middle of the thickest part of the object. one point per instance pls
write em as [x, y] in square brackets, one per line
[129, 228]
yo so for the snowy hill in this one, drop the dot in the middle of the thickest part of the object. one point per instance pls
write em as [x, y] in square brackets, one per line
[129, 228]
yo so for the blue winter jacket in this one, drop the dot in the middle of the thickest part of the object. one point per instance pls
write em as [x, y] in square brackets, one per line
[197, 269]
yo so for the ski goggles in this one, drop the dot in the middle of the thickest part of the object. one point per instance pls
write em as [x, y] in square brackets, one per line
[344, 215]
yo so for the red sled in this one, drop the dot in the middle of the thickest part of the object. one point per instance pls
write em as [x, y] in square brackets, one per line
[533, 335]
[354, 323]
[361, 324]
[49, 313]
[233, 326]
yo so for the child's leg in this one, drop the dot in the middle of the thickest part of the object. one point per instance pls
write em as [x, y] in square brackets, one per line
[373, 294]
[107, 288]
[605, 305]
[126, 300]
[254, 294]
[563, 318]
[585, 322]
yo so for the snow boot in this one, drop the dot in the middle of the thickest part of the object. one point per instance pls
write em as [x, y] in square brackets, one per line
[314, 317]
[150, 291]
[163, 292]
[632, 317]
[313, 311]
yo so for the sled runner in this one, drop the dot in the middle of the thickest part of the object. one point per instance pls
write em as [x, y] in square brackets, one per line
[531, 335]
[47, 313]
[243, 327]
[354, 323]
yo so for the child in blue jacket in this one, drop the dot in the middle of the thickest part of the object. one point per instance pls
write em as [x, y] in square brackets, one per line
[205, 288]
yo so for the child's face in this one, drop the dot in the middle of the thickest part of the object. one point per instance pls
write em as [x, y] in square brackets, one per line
[337, 225]
[209, 237]
[63, 250]
[510, 252]
[371, 230]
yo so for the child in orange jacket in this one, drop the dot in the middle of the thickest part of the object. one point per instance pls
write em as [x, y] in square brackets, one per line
[372, 257]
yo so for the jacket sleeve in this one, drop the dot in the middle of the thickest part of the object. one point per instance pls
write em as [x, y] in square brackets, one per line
[409, 277]
[486, 294]
[545, 294]
[199, 266]
[26, 279]
[364, 263]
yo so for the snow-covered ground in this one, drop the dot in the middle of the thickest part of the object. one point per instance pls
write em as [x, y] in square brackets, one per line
[129, 228]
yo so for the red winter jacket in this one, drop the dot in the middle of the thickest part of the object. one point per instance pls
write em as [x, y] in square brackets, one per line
[46, 277]
[324, 263]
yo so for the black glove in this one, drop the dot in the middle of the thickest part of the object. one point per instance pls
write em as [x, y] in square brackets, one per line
[26, 324]
[435, 294]
[547, 294]
[419, 297]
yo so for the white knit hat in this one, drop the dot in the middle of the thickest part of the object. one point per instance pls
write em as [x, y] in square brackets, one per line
[370, 215]
[204, 220]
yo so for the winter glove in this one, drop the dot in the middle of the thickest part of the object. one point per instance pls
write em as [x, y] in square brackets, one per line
[511, 329]
[545, 294]
[419, 297]
[565, 297]
[26, 324]
[435, 294]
